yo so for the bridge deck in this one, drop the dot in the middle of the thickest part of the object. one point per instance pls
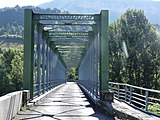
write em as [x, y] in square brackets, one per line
[66, 103]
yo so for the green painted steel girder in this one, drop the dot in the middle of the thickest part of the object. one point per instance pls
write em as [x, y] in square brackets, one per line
[69, 24]
[77, 17]
[70, 40]
[65, 41]
[70, 44]
[74, 49]
[68, 34]
[104, 52]
[28, 51]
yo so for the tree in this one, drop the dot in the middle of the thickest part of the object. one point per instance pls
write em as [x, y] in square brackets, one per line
[17, 70]
[73, 74]
[142, 64]
[11, 66]
[6, 84]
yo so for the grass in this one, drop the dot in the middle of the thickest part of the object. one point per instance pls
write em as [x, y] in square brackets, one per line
[154, 108]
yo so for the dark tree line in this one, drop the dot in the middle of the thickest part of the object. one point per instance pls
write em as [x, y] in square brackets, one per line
[142, 65]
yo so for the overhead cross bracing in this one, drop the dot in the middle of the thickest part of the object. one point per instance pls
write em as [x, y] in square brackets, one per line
[65, 31]
[79, 17]
[68, 34]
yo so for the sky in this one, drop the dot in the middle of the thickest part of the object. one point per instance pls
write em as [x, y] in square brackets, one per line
[13, 3]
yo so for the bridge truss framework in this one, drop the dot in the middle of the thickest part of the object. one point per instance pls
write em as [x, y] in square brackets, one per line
[53, 43]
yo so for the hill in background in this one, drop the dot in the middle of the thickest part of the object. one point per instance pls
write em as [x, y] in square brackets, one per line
[12, 23]
[12, 19]
[116, 7]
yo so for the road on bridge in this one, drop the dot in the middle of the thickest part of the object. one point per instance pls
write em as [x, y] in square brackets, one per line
[66, 103]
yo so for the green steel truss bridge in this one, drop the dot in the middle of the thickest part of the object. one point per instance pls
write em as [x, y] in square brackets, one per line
[54, 43]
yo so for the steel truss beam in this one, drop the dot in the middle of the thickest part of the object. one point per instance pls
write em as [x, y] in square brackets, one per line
[70, 34]
[66, 33]
[69, 44]
[69, 24]
[70, 40]
[70, 48]
[76, 17]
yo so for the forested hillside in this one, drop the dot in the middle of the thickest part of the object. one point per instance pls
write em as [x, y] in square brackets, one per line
[11, 20]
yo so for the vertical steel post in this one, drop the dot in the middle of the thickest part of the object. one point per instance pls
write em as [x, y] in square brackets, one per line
[104, 54]
[90, 71]
[118, 91]
[38, 82]
[130, 95]
[146, 103]
[126, 92]
[47, 66]
[54, 67]
[51, 68]
[50, 65]
[28, 51]
[92, 66]
[43, 66]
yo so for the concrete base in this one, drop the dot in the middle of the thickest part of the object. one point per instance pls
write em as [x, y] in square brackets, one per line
[107, 96]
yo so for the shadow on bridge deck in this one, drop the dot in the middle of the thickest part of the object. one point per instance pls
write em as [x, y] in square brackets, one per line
[66, 103]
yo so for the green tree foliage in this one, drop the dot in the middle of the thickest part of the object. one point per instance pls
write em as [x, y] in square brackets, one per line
[11, 31]
[157, 26]
[154, 108]
[73, 74]
[142, 66]
[11, 70]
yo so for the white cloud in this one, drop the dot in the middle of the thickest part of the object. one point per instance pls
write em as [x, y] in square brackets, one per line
[12, 3]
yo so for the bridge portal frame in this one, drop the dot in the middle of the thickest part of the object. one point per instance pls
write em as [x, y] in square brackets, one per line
[30, 19]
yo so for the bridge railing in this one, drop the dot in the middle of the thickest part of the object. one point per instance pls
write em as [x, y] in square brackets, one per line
[88, 71]
[147, 100]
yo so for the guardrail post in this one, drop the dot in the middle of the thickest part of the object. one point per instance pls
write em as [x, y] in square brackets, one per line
[126, 93]
[130, 95]
[118, 91]
[146, 104]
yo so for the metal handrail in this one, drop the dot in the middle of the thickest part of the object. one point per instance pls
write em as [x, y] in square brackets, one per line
[136, 96]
